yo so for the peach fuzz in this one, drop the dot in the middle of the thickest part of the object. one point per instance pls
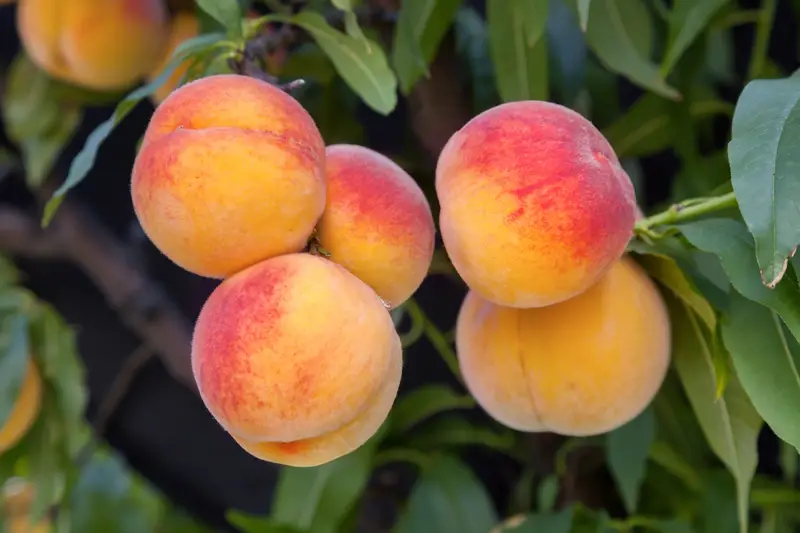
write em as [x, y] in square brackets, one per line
[98, 44]
[578, 368]
[26, 409]
[184, 26]
[230, 172]
[297, 359]
[535, 206]
[377, 222]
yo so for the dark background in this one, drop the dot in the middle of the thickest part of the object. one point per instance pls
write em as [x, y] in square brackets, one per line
[161, 427]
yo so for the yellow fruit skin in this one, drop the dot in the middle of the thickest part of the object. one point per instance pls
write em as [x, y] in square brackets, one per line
[230, 172]
[25, 409]
[297, 359]
[535, 206]
[185, 25]
[377, 222]
[98, 44]
[581, 367]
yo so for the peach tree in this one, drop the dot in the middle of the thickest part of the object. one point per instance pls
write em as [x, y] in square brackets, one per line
[717, 248]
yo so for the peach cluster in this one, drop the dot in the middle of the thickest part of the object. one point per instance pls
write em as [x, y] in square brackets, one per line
[294, 353]
[560, 331]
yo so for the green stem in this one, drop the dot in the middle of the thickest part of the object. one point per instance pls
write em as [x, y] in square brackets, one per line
[435, 336]
[761, 43]
[686, 210]
[401, 455]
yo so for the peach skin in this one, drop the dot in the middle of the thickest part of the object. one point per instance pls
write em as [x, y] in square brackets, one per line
[25, 410]
[581, 367]
[535, 206]
[98, 44]
[297, 359]
[230, 172]
[377, 222]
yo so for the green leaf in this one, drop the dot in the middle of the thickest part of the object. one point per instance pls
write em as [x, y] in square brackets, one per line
[318, 499]
[646, 128]
[84, 161]
[14, 353]
[448, 498]
[687, 20]
[41, 153]
[666, 271]
[615, 35]
[558, 522]
[472, 44]
[310, 63]
[766, 360]
[45, 461]
[627, 450]
[105, 499]
[583, 13]
[425, 402]
[729, 240]
[421, 26]
[568, 61]
[360, 62]
[256, 524]
[451, 432]
[548, 493]
[764, 157]
[226, 12]
[730, 423]
[36, 120]
[55, 344]
[518, 53]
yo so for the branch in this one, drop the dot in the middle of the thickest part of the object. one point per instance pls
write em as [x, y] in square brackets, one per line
[77, 236]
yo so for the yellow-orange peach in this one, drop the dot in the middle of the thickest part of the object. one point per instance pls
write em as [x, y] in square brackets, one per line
[377, 222]
[535, 206]
[18, 497]
[230, 172]
[25, 410]
[98, 44]
[184, 26]
[297, 359]
[580, 367]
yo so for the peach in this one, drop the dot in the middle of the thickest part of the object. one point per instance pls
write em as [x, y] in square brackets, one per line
[184, 26]
[297, 359]
[535, 206]
[230, 172]
[377, 222]
[580, 367]
[98, 44]
[25, 410]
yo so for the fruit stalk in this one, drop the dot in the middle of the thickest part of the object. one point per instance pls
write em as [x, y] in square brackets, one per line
[683, 211]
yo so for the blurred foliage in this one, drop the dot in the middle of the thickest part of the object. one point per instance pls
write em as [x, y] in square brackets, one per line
[688, 463]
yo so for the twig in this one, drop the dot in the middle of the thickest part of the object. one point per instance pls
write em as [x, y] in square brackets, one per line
[77, 236]
[113, 398]
[121, 386]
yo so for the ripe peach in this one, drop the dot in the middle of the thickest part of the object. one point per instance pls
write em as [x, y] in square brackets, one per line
[297, 359]
[377, 222]
[230, 172]
[580, 367]
[184, 26]
[535, 206]
[25, 410]
[98, 44]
